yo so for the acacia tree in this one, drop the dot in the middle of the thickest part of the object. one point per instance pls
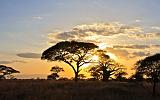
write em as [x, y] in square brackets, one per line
[55, 70]
[6, 71]
[104, 71]
[150, 66]
[73, 53]
[105, 67]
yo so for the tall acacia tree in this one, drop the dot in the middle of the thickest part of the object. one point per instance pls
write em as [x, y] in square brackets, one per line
[150, 66]
[73, 53]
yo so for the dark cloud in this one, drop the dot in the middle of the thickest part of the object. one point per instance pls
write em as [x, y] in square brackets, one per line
[118, 52]
[130, 29]
[145, 35]
[136, 46]
[5, 62]
[157, 34]
[132, 46]
[29, 55]
[140, 54]
[121, 53]
[19, 61]
[66, 35]
[157, 46]
[14, 61]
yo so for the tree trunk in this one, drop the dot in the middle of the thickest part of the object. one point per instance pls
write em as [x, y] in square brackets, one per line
[154, 89]
[105, 75]
[76, 76]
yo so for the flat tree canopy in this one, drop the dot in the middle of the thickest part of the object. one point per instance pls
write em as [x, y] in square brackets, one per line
[75, 54]
[4, 71]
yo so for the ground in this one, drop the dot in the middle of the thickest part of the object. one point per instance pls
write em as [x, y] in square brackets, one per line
[69, 90]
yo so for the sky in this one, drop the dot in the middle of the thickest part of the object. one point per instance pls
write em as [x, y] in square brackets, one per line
[129, 29]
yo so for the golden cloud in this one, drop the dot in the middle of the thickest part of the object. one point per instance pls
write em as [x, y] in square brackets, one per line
[91, 31]
[121, 37]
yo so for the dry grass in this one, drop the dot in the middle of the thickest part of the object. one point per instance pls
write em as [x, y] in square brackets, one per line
[68, 90]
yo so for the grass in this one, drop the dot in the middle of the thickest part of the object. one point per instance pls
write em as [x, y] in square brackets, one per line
[69, 90]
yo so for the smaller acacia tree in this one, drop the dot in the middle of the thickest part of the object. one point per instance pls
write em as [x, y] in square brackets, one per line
[150, 66]
[6, 71]
[55, 70]
[104, 71]
[105, 67]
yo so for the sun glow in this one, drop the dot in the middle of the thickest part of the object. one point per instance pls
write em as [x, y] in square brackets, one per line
[95, 58]
[102, 46]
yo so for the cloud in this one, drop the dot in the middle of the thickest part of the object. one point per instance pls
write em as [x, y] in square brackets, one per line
[29, 55]
[130, 29]
[19, 61]
[124, 54]
[157, 35]
[101, 32]
[118, 52]
[136, 46]
[155, 27]
[156, 46]
[37, 17]
[14, 61]
[127, 40]
[85, 32]
[137, 20]
[132, 46]
[5, 62]
[140, 54]
[149, 35]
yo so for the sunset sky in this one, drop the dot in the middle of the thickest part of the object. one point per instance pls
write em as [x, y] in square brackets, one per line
[127, 29]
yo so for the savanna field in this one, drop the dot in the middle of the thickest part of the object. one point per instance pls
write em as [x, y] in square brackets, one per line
[69, 90]
[79, 49]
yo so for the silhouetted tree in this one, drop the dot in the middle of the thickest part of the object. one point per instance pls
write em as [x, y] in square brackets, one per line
[53, 76]
[81, 76]
[6, 71]
[73, 53]
[150, 66]
[138, 76]
[120, 75]
[55, 70]
[95, 73]
[63, 79]
[105, 68]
